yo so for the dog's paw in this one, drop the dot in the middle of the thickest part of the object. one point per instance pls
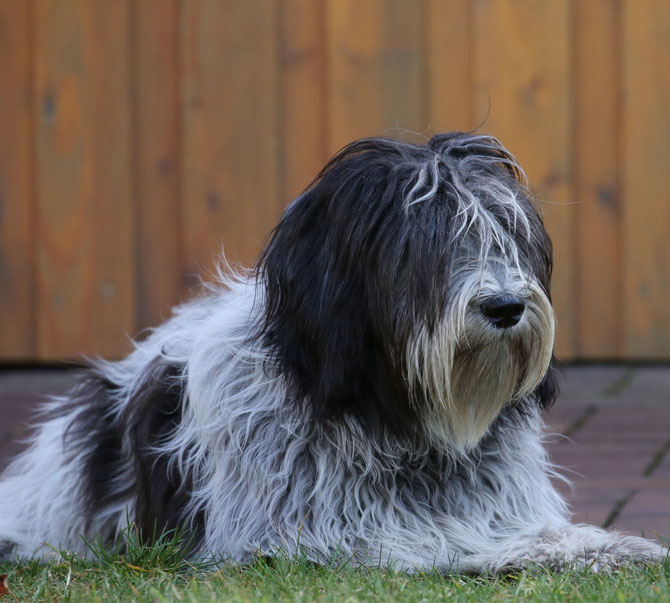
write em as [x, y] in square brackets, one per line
[628, 550]
[578, 547]
[632, 549]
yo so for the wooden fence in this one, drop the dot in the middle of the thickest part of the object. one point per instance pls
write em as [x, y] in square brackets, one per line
[137, 135]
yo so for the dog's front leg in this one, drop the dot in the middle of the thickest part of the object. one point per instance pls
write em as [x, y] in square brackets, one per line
[568, 547]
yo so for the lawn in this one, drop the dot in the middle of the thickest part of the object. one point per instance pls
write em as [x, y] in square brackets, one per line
[159, 573]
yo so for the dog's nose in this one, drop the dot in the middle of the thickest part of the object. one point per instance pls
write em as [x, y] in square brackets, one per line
[503, 311]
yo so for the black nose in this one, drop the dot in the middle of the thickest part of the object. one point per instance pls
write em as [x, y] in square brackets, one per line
[503, 311]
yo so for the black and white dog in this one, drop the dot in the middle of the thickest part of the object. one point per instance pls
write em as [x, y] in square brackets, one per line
[372, 389]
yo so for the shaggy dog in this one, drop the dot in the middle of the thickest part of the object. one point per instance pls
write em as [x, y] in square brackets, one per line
[372, 390]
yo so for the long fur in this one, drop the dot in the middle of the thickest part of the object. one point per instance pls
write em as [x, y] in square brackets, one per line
[348, 397]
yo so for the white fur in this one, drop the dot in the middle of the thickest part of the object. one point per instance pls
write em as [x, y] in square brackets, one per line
[267, 481]
[454, 363]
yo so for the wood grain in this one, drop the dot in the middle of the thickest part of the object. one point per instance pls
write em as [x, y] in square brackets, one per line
[303, 73]
[646, 178]
[376, 77]
[82, 111]
[230, 130]
[156, 128]
[17, 236]
[596, 146]
[135, 141]
[449, 58]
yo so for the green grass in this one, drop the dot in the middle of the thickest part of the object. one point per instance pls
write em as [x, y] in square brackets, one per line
[159, 573]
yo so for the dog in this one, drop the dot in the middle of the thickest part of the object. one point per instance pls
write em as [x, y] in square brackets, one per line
[371, 390]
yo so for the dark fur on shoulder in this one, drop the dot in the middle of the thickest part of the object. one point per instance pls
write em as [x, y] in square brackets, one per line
[118, 448]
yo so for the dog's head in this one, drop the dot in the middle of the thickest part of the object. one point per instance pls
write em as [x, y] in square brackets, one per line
[408, 287]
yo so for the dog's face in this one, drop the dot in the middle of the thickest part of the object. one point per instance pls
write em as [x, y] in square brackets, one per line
[408, 287]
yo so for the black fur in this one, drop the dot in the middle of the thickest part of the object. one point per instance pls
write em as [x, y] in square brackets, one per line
[95, 437]
[120, 464]
[162, 493]
[7, 548]
[548, 390]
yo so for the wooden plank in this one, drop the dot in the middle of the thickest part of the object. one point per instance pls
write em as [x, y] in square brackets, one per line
[646, 178]
[449, 57]
[156, 123]
[85, 281]
[303, 80]
[376, 76]
[597, 132]
[17, 335]
[522, 72]
[230, 130]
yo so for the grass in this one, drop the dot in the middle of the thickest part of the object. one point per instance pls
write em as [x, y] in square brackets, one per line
[160, 573]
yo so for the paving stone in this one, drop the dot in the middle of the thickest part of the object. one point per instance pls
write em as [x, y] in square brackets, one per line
[590, 510]
[609, 456]
[36, 381]
[650, 386]
[624, 425]
[15, 410]
[615, 385]
[648, 512]
[600, 475]
[593, 459]
[586, 385]
[662, 470]
[21, 391]
[560, 416]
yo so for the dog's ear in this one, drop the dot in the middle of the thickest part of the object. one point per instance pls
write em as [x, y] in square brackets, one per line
[547, 391]
[332, 281]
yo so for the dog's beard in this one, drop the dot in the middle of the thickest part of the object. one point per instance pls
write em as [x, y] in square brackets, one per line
[466, 370]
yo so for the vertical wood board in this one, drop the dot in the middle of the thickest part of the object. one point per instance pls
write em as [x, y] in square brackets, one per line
[303, 73]
[230, 131]
[646, 178]
[135, 142]
[17, 237]
[596, 166]
[85, 268]
[376, 75]
[449, 64]
[156, 130]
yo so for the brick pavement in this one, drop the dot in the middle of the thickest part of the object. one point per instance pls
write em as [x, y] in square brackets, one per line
[20, 392]
[616, 448]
